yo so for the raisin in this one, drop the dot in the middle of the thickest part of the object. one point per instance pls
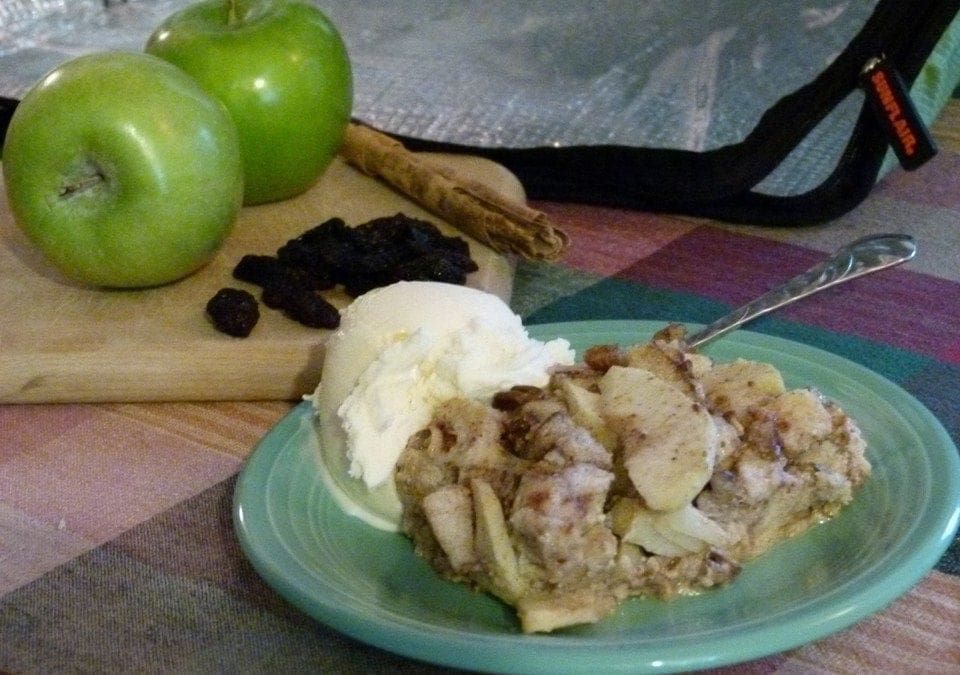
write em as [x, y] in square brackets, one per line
[358, 284]
[312, 310]
[279, 294]
[233, 311]
[508, 400]
[298, 299]
[377, 262]
[330, 229]
[321, 250]
[432, 267]
[258, 269]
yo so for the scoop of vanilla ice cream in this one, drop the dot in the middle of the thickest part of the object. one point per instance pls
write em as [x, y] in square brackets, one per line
[399, 352]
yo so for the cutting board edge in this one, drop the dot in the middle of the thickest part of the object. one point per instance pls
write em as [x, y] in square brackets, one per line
[253, 371]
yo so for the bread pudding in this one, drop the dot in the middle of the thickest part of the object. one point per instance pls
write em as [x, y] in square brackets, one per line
[644, 471]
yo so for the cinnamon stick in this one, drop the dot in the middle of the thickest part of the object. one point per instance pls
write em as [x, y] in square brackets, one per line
[473, 208]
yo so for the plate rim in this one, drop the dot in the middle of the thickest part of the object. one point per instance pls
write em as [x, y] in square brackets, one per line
[409, 639]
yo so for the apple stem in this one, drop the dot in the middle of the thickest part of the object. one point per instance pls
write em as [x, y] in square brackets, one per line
[85, 183]
[231, 12]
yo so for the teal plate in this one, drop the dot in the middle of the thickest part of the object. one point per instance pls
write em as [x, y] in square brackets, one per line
[370, 585]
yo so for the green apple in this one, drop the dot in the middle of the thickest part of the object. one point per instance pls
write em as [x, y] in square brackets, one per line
[122, 170]
[281, 69]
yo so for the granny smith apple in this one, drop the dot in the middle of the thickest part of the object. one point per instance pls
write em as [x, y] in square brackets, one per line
[122, 170]
[282, 70]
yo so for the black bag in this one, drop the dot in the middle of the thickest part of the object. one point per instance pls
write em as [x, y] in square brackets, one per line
[884, 59]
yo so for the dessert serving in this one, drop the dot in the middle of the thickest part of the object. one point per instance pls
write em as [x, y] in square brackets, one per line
[643, 471]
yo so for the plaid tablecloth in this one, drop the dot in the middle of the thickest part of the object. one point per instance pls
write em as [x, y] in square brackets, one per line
[117, 548]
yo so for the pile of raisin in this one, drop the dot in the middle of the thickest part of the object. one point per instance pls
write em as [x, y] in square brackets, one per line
[376, 253]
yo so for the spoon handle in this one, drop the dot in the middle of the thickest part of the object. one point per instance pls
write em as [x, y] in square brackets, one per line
[860, 257]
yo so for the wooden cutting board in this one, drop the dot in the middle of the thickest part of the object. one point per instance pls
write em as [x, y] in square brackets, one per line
[60, 342]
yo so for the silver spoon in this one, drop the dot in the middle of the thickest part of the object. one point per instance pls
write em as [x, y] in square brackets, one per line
[856, 259]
